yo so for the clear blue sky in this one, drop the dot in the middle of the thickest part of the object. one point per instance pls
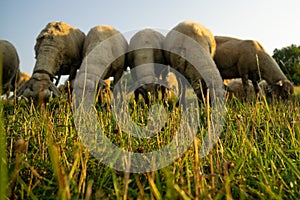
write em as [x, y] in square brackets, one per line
[274, 23]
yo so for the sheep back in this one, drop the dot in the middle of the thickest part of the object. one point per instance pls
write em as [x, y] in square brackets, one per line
[199, 33]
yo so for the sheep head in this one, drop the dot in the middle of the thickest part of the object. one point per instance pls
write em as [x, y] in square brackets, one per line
[38, 88]
[283, 89]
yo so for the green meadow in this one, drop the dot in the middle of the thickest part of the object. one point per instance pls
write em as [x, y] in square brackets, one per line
[257, 155]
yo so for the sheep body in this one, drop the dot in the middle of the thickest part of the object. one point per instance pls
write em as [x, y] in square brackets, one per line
[189, 49]
[104, 56]
[235, 87]
[145, 56]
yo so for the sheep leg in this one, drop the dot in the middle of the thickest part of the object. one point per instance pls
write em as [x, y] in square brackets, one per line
[245, 86]
[144, 94]
[72, 77]
[256, 87]
[163, 89]
[182, 94]
[136, 95]
[163, 92]
[117, 76]
[255, 84]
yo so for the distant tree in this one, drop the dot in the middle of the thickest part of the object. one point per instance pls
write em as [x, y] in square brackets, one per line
[288, 58]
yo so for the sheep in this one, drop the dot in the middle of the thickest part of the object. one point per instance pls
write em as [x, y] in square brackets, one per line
[58, 51]
[189, 48]
[145, 56]
[12, 78]
[9, 65]
[105, 94]
[247, 59]
[99, 34]
[235, 88]
[172, 83]
[104, 56]
[24, 77]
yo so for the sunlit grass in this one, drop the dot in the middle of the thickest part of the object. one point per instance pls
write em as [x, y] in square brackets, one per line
[256, 157]
[297, 90]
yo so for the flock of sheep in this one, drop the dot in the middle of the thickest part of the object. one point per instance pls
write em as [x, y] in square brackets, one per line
[190, 48]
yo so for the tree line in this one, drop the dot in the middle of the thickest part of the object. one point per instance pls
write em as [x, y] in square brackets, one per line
[288, 59]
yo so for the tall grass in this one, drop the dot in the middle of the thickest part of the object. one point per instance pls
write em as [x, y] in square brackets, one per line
[256, 156]
[3, 156]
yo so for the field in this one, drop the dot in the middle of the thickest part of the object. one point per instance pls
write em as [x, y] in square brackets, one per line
[257, 156]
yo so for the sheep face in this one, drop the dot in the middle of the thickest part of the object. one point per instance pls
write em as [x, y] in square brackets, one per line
[39, 88]
[283, 88]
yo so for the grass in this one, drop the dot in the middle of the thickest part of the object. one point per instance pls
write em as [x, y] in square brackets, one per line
[256, 157]
[297, 90]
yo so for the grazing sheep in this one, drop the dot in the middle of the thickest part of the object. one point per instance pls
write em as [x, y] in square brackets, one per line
[247, 59]
[189, 49]
[105, 94]
[24, 77]
[58, 51]
[235, 88]
[104, 56]
[145, 51]
[9, 64]
[172, 82]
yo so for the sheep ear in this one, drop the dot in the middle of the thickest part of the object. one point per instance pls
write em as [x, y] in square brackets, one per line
[279, 83]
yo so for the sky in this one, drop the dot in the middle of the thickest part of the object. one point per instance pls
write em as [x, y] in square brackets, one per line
[274, 23]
